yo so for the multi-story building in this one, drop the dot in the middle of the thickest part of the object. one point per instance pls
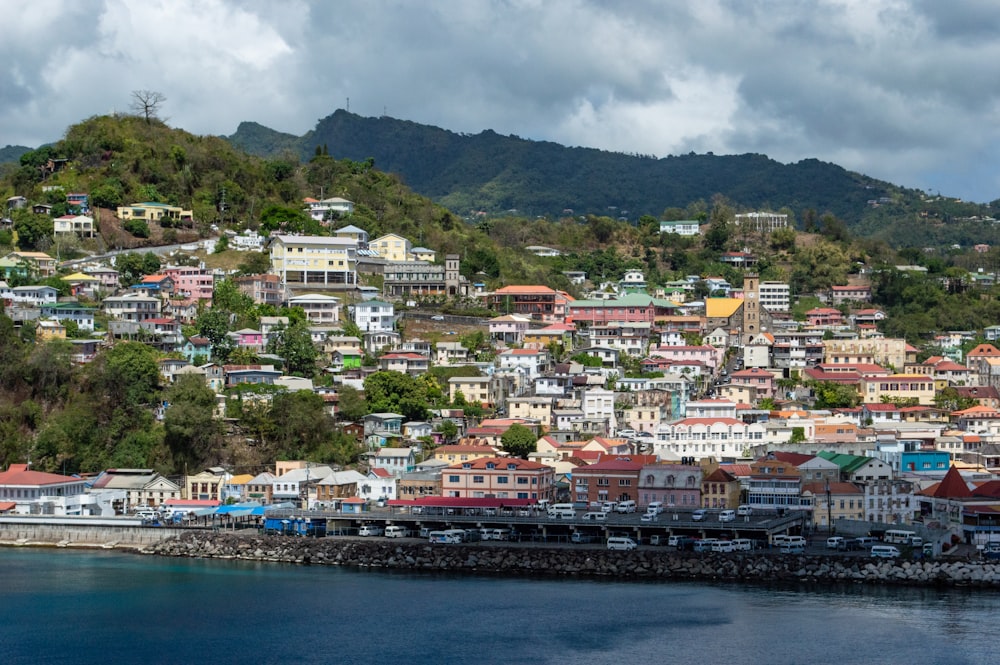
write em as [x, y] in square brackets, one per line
[833, 501]
[315, 260]
[763, 222]
[613, 479]
[775, 296]
[79, 225]
[675, 485]
[707, 437]
[850, 294]
[327, 208]
[374, 316]
[391, 247]
[475, 389]
[319, 309]
[405, 279]
[498, 477]
[132, 307]
[537, 302]
[265, 289]
[898, 387]
[629, 308]
[191, 282]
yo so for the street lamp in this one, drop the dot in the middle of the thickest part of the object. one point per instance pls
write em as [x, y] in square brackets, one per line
[829, 508]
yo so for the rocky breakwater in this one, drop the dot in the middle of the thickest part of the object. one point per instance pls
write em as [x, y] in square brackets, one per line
[517, 559]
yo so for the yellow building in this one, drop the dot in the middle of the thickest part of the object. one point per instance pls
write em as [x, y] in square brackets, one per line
[314, 260]
[846, 501]
[154, 212]
[898, 387]
[461, 453]
[392, 247]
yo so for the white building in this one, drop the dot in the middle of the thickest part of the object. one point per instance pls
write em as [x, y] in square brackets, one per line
[775, 296]
[374, 316]
[683, 227]
[320, 210]
[706, 437]
[764, 222]
[319, 309]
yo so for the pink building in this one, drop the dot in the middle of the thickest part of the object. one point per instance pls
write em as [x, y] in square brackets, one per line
[709, 356]
[191, 282]
[498, 477]
[248, 338]
[757, 378]
[824, 316]
[537, 302]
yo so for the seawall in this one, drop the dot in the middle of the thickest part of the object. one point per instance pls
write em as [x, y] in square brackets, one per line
[82, 532]
[648, 563]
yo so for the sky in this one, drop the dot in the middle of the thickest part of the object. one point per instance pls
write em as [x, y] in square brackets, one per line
[902, 90]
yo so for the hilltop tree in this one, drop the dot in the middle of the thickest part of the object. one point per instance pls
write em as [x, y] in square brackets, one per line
[147, 103]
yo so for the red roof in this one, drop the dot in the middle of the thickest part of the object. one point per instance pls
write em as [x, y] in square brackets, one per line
[792, 458]
[952, 486]
[20, 474]
[500, 462]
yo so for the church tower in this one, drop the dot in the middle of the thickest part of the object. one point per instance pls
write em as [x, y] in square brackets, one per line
[751, 307]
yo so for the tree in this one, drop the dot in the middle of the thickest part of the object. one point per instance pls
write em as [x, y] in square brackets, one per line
[33, 231]
[147, 103]
[830, 395]
[214, 325]
[519, 441]
[448, 429]
[254, 263]
[191, 432]
[294, 344]
[128, 375]
[351, 404]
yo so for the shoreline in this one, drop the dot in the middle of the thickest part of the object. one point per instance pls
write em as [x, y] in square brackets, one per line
[581, 562]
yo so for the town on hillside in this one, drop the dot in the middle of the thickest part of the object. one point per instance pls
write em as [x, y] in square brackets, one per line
[696, 397]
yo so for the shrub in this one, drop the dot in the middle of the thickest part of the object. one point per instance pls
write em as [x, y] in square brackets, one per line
[137, 227]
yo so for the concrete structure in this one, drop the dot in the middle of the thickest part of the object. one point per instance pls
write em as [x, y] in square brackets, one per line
[498, 477]
[315, 261]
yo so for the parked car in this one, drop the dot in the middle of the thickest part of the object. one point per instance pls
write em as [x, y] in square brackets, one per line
[699, 515]
[437, 317]
[833, 542]
[649, 517]
[370, 530]
[621, 543]
[727, 515]
[744, 511]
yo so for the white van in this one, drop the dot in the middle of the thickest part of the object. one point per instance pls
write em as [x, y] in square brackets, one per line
[744, 511]
[564, 511]
[397, 532]
[370, 530]
[500, 534]
[655, 507]
[727, 515]
[742, 545]
[884, 552]
[795, 541]
[595, 517]
[621, 543]
[723, 546]
[625, 507]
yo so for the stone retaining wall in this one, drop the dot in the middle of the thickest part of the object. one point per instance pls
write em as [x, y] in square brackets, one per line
[569, 561]
[69, 535]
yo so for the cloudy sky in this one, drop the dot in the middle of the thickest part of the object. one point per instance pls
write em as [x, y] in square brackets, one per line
[904, 90]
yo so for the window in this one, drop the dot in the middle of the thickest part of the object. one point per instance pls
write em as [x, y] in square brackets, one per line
[477, 479]
[522, 480]
[452, 479]
[502, 480]
[624, 482]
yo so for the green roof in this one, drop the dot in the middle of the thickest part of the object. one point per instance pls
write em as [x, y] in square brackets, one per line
[628, 300]
[847, 463]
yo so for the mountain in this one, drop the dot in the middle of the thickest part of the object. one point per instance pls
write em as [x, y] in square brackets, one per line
[496, 173]
[12, 153]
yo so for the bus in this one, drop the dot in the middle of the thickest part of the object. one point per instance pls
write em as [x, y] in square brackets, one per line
[447, 537]
[897, 536]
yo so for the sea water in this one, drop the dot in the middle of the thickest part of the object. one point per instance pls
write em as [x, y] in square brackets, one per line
[64, 606]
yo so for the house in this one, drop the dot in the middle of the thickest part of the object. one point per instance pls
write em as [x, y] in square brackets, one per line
[456, 453]
[774, 485]
[509, 329]
[833, 501]
[79, 225]
[683, 227]
[354, 233]
[142, 487]
[530, 362]
[315, 260]
[628, 308]
[39, 262]
[331, 208]
[81, 315]
[391, 247]
[259, 487]
[482, 390]
[498, 477]
[825, 317]
[396, 461]
[720, 489]
[536, 302]
[206, 485]
[34, 296]
[379, 484]
[132, 307]
[319, 309]
[250, 374]
[154, 212]
[380, 427]
[674, 485]
[263, 289]
[761, 380]
[901, 387]
[339, 485]
[300, 485]
[373, 316]
[611, 479]
[248, 241]
[191, 282]
[405, 363]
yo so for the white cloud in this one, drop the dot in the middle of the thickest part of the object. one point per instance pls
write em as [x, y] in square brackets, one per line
[892, 88]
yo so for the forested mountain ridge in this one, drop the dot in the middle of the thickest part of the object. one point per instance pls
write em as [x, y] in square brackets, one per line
[498, 174]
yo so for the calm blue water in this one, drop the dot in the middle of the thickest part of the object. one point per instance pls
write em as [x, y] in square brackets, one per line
[105, 607]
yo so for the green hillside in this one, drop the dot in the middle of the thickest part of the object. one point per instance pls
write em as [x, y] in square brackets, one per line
[500, 174]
